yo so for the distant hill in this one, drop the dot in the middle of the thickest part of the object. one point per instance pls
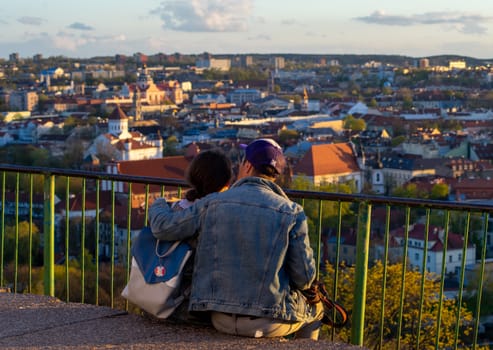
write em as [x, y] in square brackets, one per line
[348, 59]
[344, 59]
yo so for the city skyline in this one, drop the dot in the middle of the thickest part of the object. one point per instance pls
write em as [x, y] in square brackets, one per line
[104, 28]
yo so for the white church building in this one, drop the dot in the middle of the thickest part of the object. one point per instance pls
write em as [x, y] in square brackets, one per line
[120, 144]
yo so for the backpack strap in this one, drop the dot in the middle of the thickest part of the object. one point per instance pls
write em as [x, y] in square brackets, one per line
[335, 314]
[169, 251]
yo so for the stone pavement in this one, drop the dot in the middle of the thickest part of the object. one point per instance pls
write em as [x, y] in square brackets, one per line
[40, 322]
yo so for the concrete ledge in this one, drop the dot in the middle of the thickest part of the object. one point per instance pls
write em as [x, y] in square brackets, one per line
[40, 322]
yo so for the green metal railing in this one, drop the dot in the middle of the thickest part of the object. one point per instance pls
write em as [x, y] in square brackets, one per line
[391, 304]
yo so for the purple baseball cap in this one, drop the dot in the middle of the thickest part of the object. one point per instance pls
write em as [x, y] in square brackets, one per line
[265, 152]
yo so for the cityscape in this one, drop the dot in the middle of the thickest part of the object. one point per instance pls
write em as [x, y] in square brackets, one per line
[379, 125]
[384, 113]
[393, 104]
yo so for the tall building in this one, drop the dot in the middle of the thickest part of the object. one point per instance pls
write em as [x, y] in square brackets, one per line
[140, 58]
[222, 64]
[333, 63]
[120, 59]
[242, 61]
[423, 63]
[14, 57]
[278, 62]
[457, 64]
[37, 58]
[23, 100]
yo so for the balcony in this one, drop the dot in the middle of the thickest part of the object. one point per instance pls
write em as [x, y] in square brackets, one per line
[412, 273]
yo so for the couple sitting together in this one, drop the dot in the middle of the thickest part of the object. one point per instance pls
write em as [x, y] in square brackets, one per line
[253, 259]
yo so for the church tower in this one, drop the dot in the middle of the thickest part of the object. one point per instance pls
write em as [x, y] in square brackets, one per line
[118, 123]
[304, 104]
[144, 80]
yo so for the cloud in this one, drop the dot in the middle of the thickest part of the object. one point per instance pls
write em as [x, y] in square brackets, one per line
[260, 37]
[72, 42]
[80, 26]
[464, 23]
[31, 21]
[289, 22]
[259, 20]
[205, 15]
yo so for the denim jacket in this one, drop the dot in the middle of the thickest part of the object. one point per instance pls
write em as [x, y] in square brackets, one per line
[253, 255]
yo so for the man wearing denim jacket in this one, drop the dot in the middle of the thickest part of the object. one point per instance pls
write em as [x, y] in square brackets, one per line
[253, 255]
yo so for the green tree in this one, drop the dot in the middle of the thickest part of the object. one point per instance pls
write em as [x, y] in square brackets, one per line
[27, 155]
[396, 141]
[171, 146]
[69, 124]
[386, 90]
[407, 98]
[411, 308]
[40, 157]
[354, 124]
[288, 137]
[22, 242]
[487, 297]
[75, 186]
[439, 191]
[407, 191]
[42, 101]
[73, 155]
[329, 209]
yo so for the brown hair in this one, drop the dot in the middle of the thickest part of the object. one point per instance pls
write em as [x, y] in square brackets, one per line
[210, 171]
[266, 171]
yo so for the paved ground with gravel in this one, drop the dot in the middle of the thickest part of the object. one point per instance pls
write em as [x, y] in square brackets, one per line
[40, 322]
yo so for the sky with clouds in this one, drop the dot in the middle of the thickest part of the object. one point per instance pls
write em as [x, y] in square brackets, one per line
[106, 27]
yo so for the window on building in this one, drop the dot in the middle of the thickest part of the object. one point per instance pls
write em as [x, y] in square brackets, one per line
[450, 258]
[377, 177]
[428, 259]
[416, 257]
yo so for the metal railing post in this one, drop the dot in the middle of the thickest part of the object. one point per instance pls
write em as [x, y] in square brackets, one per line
[361, 271]
[49, 235]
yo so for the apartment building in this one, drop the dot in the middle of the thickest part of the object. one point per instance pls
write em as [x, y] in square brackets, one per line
[23, 100]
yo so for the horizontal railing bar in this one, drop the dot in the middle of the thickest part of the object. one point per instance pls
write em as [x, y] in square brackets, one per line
[387, 200]
[93, 175]
[374, 199]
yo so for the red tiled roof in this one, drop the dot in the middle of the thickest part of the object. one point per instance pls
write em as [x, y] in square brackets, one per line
[168, 167]
[120, 145]
[325, 159]
[75, 203]
[473, 188]
[455, 241]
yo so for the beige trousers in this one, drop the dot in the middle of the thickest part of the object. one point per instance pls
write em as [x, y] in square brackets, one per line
[258, 327]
